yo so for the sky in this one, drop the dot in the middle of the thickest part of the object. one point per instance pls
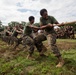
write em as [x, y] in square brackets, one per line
[20, 10]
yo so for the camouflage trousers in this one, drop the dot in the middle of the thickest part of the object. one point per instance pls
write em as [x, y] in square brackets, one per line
[11, 40]
[6, 39]
[16, 41]
[36, 41]
[27, 40]
[51, 38]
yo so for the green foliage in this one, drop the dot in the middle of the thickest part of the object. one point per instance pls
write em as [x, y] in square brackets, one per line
[1, 29]
[23, 23]
[0, 23]
[13, 23]
[74, 25]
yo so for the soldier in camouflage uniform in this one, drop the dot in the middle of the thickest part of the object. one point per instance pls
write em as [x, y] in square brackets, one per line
[46, 23]
[7, 35]
[30, 38]
[71, 32]
[14, 37]
[39, 37]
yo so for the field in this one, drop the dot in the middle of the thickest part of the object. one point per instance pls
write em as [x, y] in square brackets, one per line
[14, 62]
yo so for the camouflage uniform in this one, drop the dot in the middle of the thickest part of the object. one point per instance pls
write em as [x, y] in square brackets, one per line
[31, 38]
[71, 32]
[51, 34]
[38, 38]
[39, 45]
[7, 36]
[15, 39]
[28, 38]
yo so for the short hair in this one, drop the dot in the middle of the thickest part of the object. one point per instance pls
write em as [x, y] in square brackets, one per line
[31, 18]
[42, 11]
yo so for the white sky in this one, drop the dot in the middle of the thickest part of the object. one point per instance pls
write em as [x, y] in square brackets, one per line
[20, 10]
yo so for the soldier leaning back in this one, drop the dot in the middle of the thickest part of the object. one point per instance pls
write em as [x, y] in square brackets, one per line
[46, 23]
[30, 39]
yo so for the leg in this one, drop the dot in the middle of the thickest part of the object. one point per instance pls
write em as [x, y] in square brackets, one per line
[52, 43]
[30, 42]
[39, 45]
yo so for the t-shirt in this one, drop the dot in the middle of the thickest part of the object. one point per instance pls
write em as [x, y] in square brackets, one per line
[27, 29]
[6, 33]
[51, 20]
[15, 33]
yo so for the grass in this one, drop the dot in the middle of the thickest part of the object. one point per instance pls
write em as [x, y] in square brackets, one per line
[67, 40]
[15, 62]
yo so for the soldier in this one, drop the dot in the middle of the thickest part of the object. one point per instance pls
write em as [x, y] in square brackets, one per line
[46, 23]
[71, 32]
[66, 35]
[16, 31]
[14, 37]
[31, 39]
[7, 35]
[39, 37]
[28, 38]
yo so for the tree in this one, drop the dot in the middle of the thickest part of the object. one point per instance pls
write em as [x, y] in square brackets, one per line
[13, 23]
[74, 25]
[0, 23]
[23, 23]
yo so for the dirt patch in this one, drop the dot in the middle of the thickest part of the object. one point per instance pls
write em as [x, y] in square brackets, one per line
[63, 45]
[66, 45]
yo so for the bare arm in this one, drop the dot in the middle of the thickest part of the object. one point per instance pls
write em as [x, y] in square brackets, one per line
[34, 27]
[19, 31]
[45, 26]
[10, 33]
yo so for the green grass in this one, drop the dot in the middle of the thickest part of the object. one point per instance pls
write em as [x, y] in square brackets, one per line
[66, 40]
[17, 64]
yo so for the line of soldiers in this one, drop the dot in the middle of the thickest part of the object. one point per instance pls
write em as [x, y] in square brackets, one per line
[32, 39]
[65, 32]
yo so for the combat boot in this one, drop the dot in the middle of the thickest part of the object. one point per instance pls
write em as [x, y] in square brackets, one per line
[61, 62]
